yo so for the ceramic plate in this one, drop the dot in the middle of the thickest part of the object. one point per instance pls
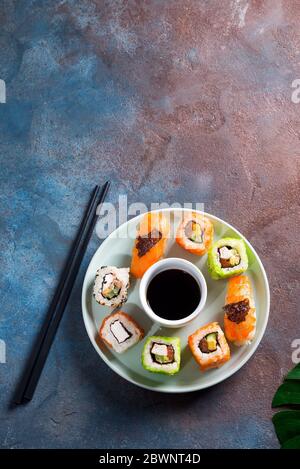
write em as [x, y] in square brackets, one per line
[116, 250]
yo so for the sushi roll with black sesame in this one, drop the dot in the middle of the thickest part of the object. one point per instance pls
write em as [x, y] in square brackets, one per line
[162, 355]
[111, 286]
[227, 257]
[120, 331]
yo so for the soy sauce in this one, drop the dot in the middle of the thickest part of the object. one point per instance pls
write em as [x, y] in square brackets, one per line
[173, 294]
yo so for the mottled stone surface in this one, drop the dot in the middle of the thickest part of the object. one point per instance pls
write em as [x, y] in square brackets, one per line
[186, 101]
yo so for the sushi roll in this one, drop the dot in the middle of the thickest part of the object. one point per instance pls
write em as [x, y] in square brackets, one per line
[162, 355]
[149, 246]
[120, 332]
[227, 257]
[209, 346]
[111, 286]
[240, 314]
[195, 233]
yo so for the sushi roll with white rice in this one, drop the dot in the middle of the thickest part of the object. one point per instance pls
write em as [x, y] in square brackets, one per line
[162, 355]
[209, 346]
[111, 286]
[120, 332]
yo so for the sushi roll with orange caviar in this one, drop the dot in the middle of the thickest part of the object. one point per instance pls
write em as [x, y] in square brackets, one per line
[209, 346]
[120, 331]
[149, 247]
[240, 314]
[195, 233]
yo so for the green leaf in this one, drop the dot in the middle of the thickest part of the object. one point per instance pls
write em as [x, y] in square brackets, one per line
[287, 393]
[293, 443]
[294, 373]
[287, 424]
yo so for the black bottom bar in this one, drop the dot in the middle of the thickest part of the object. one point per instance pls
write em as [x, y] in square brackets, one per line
[143, 458]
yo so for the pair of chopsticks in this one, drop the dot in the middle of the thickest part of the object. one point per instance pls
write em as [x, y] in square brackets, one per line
[42, 347]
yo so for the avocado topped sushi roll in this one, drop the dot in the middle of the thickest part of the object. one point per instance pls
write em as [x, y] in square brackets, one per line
[227, 257]
[162, 355]
[195, 233]
[111, 286]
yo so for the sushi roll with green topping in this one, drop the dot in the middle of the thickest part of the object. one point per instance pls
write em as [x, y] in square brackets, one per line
[227, 257]
[162, 355]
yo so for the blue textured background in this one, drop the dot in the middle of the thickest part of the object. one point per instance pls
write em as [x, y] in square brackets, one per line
[181, 101]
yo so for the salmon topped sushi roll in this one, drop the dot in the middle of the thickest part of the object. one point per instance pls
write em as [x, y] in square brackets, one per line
[152, 235]
[240, 314]
[195, 233]
[209, 346]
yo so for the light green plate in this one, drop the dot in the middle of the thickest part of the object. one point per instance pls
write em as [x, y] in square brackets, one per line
[116, 250]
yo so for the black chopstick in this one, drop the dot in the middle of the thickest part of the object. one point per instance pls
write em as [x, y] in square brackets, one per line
[61, 297]
[37, 346]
